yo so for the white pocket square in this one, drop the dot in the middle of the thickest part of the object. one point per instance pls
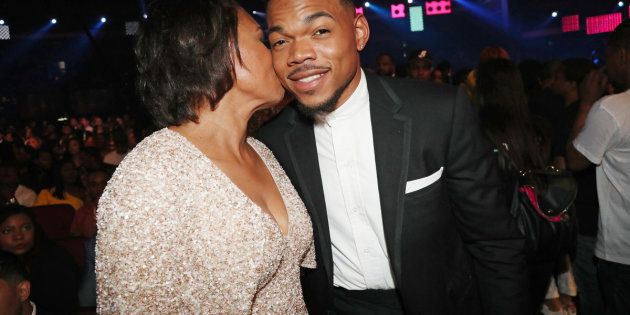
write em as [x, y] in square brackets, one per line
[420, 183]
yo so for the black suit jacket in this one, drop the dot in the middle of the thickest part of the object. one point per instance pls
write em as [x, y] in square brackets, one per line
[453, 246]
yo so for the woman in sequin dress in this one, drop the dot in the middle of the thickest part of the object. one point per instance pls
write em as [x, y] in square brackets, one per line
[199, 218]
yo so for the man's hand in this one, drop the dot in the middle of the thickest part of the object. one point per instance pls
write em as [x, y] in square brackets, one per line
[592, 89]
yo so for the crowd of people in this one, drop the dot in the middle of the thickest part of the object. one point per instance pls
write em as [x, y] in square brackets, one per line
[67, 161]
[569, 114]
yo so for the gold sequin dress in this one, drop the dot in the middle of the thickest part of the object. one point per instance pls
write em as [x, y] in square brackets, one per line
[176, 236]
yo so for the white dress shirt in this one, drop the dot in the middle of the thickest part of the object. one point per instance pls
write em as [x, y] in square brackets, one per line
[345, 149]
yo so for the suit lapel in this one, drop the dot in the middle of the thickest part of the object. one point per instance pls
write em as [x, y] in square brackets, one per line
[392, 138]
[300, 141]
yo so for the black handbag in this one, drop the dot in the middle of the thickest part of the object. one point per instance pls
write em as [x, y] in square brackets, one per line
[542, 203]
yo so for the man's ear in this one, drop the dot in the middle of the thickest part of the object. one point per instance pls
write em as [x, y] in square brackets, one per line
[24, 290]
[361, 31]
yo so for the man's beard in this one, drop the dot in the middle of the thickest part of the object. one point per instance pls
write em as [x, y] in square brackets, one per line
[319, 111]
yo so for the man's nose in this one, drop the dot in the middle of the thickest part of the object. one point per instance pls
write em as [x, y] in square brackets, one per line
[301, 51]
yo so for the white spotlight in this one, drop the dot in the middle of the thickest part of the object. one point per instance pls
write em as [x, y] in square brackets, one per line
[1, 22]
[367, 4]
[53, 21]
[554, 14]
[145, 16]
[103, 19]
[620, 4]
[254, 12]
[410, 1]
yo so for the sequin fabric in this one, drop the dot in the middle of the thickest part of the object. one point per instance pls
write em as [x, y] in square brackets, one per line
[176, 236]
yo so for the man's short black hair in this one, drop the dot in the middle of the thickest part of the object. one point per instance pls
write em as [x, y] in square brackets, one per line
[12, 269]
[620, 38]
[347, 3]
[184, 52]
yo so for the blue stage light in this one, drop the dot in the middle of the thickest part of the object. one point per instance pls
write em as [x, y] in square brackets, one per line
[620, 4]
[367, 4]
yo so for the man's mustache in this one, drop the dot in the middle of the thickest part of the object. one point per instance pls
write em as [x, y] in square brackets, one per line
[305, 67]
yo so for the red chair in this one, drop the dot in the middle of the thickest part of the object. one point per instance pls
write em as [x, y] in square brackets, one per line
[56, 220]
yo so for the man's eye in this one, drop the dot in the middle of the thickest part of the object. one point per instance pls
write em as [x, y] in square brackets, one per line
[322, 31]
[279, 43]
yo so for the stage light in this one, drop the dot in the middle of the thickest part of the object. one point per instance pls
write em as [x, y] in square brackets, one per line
[367, 4]
[570, 23]
[358, 10]
[1, 22]
[620, 4]
[410, 1]
[5, 33]
[398, 11]
[53, 21]
[254, 12]
[145, 16]
[416, 18]
[554, 14]
[438, 7]
[603, 23]
[103, 19]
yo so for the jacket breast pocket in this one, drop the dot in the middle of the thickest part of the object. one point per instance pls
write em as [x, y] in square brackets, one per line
[421, 186]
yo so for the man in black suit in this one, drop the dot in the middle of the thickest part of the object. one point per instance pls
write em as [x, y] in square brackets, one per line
[401, 186]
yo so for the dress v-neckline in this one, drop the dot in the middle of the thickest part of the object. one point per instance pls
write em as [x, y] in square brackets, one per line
[269, 215]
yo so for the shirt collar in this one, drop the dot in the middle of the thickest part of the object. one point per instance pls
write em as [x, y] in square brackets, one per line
[358, 101]
[34, 308]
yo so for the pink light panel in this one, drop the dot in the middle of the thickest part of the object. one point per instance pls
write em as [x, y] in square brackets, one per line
[438, 7]
[358, 10]
[398, 11]
[602, 23]
[571, 23]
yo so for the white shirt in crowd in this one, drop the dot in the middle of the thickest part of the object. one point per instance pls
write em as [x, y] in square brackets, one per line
[605, 141]
[345, 150]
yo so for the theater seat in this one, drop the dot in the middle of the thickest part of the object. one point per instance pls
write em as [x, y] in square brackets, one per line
[56, 220]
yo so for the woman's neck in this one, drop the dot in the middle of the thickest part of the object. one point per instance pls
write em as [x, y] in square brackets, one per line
[221, 133]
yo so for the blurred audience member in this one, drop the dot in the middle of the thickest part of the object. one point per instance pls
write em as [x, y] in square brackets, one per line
[11, 190]
[84, 225]
[53, 273]
[15, 289]
[601, 136]
[420, 65]
[505, 119]
[385, 65]
[66, 189]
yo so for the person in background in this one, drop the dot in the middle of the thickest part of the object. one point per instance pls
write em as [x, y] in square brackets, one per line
[11, 190]
[84, 226]
[420, 65]
[601, 136]
[15, 288]
[67, 188]
[385, 65]
[52, 271]
[506, 121]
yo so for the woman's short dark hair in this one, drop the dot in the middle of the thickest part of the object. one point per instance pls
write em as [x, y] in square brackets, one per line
[184, 52]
